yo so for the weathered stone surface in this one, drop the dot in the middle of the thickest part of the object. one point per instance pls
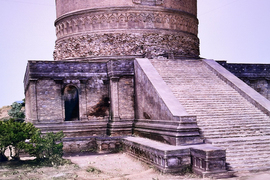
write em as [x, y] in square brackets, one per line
[256, 76]
[49, 79]
[209, 161]
[165, 158]
[122, 44]
[46, 83]
[126, 28]
[205, 160]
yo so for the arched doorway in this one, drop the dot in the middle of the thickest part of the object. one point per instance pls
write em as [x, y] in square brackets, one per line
[71, 97]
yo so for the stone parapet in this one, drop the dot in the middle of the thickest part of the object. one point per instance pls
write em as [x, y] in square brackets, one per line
[166, 158]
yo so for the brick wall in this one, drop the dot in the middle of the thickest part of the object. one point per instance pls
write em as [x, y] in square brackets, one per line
[45, 82]
[126, 97]
[49, 100]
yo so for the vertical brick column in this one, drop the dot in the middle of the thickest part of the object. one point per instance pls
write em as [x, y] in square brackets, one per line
[31, 102]
[114, 98]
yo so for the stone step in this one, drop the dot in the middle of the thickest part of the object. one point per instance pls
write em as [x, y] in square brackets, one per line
[239, 140]
[242, 167]
[227, 127]
[248, 159]
[235, 133]
[230, 136]
[231, 124]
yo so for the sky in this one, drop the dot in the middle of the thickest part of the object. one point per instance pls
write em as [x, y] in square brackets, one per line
[237, 31]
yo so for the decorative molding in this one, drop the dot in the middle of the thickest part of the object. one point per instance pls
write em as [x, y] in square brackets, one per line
[149, 45]
[92, 22]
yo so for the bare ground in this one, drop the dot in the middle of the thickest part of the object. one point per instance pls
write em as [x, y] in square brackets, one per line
[4, 112]
[102, 167]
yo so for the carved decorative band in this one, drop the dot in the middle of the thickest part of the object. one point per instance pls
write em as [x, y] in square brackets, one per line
[124, 44]
[92, 22]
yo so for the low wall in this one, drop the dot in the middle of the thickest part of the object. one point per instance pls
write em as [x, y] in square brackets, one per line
[204, 160]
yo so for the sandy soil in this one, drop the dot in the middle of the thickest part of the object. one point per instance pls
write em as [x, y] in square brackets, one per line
[102, 167]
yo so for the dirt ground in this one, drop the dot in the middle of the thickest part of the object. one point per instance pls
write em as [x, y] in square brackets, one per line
[102, 167]
[4, 112]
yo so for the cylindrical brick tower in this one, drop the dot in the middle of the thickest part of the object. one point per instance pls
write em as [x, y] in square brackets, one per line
[96, 29]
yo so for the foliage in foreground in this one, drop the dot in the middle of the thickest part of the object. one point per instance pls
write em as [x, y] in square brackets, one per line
[13, 135]
[46, 148]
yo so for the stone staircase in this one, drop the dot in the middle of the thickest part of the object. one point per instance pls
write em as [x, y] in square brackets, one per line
[225, 118]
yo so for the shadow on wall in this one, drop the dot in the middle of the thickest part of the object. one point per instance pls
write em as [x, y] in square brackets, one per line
[101, 109]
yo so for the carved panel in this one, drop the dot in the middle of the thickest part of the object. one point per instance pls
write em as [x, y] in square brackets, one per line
[121, 44]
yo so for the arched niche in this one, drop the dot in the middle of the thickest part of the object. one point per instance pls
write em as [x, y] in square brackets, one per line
[71, 98]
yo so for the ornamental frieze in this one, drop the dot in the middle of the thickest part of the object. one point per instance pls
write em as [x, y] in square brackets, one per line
[122, 44]
[130, 20]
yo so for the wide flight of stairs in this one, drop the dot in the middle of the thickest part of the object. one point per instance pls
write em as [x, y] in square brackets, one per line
[225, 118]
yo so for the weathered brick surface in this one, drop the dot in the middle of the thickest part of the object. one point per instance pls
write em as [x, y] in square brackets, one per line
[126, 97]
[46, 82]
[49, 104]
[30, 102]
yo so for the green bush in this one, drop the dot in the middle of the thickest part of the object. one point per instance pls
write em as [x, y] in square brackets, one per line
[47, 147]
[16, 111]
[4, 141]
[13, 135]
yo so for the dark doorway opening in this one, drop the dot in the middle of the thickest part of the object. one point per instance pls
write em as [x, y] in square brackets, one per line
[71, 97]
